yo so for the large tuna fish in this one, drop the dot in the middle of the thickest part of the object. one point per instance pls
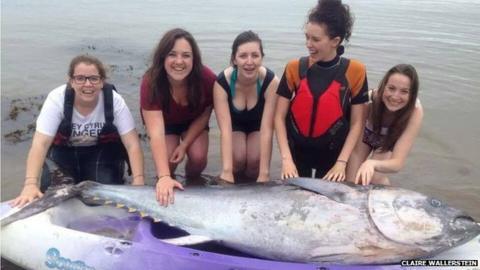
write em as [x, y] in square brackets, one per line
[306, 220]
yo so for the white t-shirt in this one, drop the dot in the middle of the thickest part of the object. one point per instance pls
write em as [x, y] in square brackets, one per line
[85, 129]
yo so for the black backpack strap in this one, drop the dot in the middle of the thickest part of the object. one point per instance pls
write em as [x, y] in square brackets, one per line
[109, 127]
[68, 103]
[65, 127]
[108, 102]
[303, 67]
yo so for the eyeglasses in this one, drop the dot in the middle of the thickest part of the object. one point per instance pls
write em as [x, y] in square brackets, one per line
[80, 79]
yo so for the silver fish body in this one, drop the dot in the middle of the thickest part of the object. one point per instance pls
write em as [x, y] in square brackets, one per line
[306, 220]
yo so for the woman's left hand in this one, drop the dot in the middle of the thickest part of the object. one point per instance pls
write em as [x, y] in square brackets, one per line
[178, 154]
[337, 172]
[365, 172]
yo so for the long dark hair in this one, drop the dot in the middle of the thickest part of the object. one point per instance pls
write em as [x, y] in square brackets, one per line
[242, 38]
[157, 75]
[337, 18]
[401, 116]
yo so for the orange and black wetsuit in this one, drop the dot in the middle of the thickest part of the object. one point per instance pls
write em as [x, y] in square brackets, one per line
[319, 116]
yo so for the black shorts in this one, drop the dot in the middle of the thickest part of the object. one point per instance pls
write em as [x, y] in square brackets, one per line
[103, 163]
[179, 129]
[246, 128]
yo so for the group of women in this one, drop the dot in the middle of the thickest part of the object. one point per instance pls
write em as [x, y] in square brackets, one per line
[327, 122]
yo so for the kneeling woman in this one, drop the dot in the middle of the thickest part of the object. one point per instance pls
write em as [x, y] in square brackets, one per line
[244, 101]
[394, 120]
[85, 127]
[176, 103]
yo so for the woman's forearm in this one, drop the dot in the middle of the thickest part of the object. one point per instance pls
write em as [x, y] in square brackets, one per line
[281, 129]
[156, 132]
[357, 124]
[266, 135]
[36, 157]
[135, 156]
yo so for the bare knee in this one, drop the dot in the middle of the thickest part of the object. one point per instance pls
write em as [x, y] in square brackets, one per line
[239, 164]
[253, 165]
[196, 163]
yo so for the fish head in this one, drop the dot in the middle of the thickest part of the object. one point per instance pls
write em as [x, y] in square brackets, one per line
[411, 218]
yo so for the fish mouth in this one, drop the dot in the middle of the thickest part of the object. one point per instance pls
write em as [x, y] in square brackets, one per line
[464, 219]
[466, 224]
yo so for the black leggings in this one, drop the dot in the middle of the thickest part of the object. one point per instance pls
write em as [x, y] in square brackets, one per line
[104, 163]
[320, 159]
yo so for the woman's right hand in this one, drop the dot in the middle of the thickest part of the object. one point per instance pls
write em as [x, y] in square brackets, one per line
[164, 190]
[289, 170]
[28, 195]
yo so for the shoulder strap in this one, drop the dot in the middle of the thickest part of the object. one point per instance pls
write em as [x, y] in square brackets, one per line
[262, 87]
[345, 92]
[342, 69]
[108, 102]
[222, 80]
[233, 81]
[303, 67]
[68, 103]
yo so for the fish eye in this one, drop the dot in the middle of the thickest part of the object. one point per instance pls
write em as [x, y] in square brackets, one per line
[435, 203]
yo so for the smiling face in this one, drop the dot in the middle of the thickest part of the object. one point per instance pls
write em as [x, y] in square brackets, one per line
[320, 46]
[397, 92]
[248, 59]
[179, 61]
[86, 92]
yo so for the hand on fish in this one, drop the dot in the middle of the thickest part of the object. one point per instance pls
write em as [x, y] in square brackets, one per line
[365, 172]
[337, 172]
[164, 190]
[289, 170]
[29, 194]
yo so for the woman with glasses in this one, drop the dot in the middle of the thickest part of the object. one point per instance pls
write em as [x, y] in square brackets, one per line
[176, 103]
[87, 129]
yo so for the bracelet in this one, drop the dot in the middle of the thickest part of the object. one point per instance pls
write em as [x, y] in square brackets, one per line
[162, 176]
[28, 184]
[138, 175]
[340, 160]
[30, 177]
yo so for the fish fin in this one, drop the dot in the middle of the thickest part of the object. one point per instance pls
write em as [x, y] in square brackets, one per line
[119, 205]
[188, 240]
[51, 198]
[333, 190]
[156, 220]
[131, 210]
[61, 188]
